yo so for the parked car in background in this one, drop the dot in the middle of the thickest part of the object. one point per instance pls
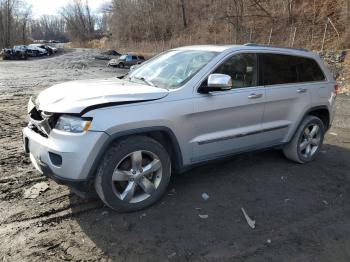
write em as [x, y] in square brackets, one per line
[10, 54]
[124, 138]
[50, 49]
[126, 61]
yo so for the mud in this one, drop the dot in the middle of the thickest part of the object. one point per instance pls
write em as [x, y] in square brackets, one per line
[302, 212]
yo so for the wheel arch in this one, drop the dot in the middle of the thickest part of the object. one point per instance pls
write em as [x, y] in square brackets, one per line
[163, 135]
[321, 112]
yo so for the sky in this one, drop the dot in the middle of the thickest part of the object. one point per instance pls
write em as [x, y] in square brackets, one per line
[51, 7]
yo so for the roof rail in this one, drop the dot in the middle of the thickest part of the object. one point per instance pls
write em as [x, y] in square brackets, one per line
[275, 46]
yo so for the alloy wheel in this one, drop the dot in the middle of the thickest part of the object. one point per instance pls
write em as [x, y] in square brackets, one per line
[137, 176]
[310, 141]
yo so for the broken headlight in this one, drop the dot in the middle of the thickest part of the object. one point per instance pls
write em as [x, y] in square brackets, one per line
[73, 124]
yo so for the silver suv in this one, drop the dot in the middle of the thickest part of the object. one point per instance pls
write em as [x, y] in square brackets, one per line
[123, 138]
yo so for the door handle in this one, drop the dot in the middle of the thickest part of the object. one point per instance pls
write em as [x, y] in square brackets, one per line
[301, 90]
[254, 96]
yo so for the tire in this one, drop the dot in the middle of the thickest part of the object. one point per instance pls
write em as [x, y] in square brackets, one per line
[114, 187]
[121, 65]
[306, 143]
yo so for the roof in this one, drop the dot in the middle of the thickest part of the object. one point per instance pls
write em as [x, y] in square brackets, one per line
[248, 46]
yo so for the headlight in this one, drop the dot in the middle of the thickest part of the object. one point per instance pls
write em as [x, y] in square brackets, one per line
[73, 124]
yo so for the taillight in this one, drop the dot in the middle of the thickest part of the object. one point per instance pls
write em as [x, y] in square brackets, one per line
[336, 89]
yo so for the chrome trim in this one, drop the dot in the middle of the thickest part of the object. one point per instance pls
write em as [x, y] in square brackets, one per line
[240, 135]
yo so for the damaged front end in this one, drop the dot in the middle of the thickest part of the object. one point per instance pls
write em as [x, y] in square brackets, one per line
[39, 121]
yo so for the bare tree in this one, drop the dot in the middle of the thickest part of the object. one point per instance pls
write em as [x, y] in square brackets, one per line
[79, 21]
[14, 19]
[48, 28]
[183, 9]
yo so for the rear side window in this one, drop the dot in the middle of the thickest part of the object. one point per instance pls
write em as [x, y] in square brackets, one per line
[278, 69]
[308, 70]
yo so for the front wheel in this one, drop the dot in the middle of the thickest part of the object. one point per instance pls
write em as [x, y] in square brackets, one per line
[133, 174]
[307, 141]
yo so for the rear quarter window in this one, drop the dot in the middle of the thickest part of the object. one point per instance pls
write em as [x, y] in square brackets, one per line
[309, 70]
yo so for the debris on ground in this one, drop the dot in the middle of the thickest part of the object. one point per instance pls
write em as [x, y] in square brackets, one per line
[172, 255]
[250, 222]
[203, 216]
[35, 190]
[104, 213]
[205, 196]
[333, 134]
[325, 202]
[268, 241]
[172, 192]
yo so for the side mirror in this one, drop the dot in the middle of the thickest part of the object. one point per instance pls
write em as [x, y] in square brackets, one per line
[217, 82]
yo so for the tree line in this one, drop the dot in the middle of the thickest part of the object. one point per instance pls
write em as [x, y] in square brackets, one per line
[299, 23]
[303, 23]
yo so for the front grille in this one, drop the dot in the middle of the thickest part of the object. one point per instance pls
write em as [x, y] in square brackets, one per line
[37, 130]
[42, 122]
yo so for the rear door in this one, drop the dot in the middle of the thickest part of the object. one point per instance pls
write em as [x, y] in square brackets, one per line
[229, 121]
[287, 97]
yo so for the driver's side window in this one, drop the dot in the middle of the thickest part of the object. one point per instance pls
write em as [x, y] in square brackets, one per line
[242, 68]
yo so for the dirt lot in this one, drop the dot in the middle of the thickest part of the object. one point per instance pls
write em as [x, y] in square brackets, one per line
[302, 212]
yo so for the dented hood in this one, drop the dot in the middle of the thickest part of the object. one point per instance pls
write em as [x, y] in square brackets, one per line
[80, 96]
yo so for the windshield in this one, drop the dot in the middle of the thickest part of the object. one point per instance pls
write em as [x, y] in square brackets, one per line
[122, 57]
[173, 68]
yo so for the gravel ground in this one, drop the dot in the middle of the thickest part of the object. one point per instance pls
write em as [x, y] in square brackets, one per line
[302, 212]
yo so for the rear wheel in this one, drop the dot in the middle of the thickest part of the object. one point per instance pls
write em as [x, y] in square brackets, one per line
[307, 141]
[133, 174]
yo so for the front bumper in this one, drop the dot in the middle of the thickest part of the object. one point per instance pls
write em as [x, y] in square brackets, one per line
[66, 158]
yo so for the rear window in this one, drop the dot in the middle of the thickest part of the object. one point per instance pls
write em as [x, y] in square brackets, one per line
[308, 70]
[278, 69]
[285, 69]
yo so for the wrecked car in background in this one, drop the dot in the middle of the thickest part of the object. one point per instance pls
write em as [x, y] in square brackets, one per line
[50, 49]
[10, 54]
[32, 51]
[108, 55]
[126, 61]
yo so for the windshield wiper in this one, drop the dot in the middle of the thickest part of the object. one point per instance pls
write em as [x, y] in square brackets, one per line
[145, 80]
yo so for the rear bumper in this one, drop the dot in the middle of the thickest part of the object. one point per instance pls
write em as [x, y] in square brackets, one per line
[64, 157]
